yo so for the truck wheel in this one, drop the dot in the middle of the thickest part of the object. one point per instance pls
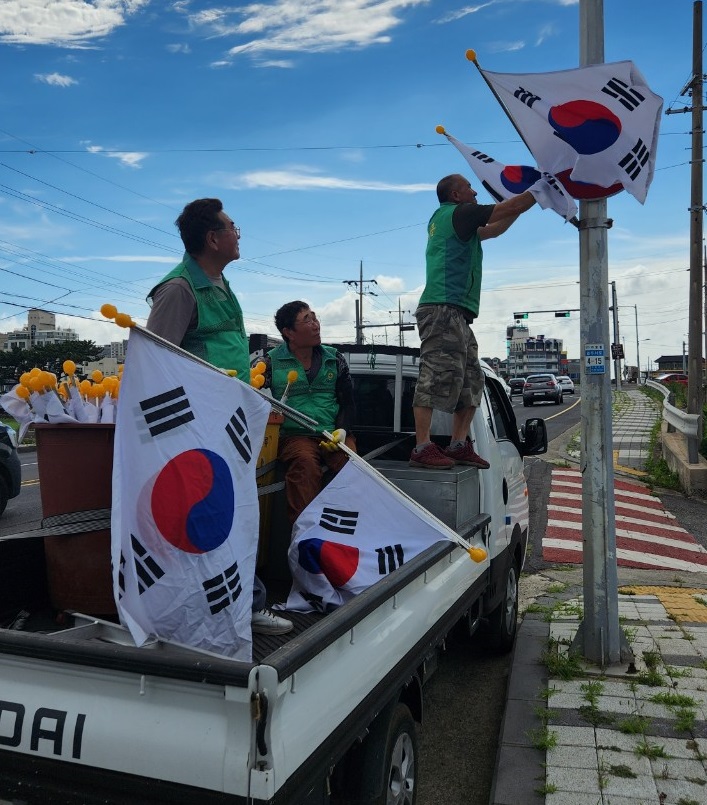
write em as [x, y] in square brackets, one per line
[385, 767]
[4, 495]
[400, 760]
[503, 621]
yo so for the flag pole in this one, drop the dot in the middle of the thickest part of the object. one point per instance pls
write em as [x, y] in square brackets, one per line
[373, 472]
[471, 56]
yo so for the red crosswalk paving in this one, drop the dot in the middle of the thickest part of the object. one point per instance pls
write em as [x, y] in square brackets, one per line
[647, 536]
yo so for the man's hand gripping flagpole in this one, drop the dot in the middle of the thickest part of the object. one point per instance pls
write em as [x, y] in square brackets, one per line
[476, 553]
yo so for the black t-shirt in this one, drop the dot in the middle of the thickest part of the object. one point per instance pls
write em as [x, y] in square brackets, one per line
[467, 218]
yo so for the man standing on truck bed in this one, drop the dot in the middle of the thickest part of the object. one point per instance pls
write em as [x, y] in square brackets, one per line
[322, 390]
[195, 308]
[451, 378]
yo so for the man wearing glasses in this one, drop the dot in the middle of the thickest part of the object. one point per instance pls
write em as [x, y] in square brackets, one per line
[195, 308]
[321, 390]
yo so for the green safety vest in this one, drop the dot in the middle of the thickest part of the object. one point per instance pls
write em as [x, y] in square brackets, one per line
[220, 336]
[453, 265]
[316, 399]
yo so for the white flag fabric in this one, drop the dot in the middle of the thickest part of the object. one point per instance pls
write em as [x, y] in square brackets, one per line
[185, 506]
[595, 126]
[355, 532]
[503, 181]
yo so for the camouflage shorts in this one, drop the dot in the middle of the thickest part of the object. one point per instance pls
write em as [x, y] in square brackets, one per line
[451, 377]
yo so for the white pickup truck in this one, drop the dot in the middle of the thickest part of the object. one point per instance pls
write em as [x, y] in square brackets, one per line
[326, 714]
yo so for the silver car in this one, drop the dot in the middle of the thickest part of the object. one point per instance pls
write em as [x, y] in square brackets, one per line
[541, 387]
[566, 383]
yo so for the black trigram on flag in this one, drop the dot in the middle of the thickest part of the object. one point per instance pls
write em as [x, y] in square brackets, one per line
[528, 98]
[339, 521]
[493, 193]
[121, 576]
[627, 96]
[223, 590]
[390, 558]
[237, 430]
[148, 571]
[482, 157]
[636, 158]
[167, 411]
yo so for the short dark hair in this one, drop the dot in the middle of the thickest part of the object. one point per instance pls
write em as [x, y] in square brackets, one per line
[446, 186]
[286, 316]
[197, 219]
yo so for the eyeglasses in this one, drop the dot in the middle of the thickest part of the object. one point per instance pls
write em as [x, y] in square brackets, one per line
[229, 228]
[308, 318]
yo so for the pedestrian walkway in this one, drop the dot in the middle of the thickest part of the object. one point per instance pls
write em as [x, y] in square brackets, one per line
[647, 536]
[634, 734]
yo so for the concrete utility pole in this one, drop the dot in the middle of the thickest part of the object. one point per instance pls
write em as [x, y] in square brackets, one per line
[599, 635]
[359, 302]
[694, 360]
[617, 359]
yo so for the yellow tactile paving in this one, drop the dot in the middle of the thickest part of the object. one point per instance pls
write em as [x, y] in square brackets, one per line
[680, 602]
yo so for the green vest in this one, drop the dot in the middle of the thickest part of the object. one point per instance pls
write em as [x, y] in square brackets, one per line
[453, 266]
[316, 399]
[220, 336]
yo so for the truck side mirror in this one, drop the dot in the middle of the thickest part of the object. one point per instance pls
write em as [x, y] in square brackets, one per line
[533, 437]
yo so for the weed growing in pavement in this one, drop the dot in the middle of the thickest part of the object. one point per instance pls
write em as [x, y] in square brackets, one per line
[700, 600]
[651, 678]
[565, 666]
[594, 716]
[545, 714]
[634, 724]
[622, 770]
[543, 738]
[677, 673]
[688, 636]
[696, 780]
[559, 587]
[592, 691]
[673, 700]
[546, 788]
[685, 801]
[659, 473]
[651, 659]
[651, 751]
[685, 720]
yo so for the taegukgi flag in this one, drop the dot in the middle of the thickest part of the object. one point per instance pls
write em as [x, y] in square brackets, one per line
[504, 181]
[185, 507]
[595, 128]
[355, 532]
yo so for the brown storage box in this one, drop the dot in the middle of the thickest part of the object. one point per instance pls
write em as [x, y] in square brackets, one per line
[75, 472]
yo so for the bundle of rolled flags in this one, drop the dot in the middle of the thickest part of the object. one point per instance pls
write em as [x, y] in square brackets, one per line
[41, 397]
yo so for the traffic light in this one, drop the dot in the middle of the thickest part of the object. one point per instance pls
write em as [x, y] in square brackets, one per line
[562, 314]
[520, 315]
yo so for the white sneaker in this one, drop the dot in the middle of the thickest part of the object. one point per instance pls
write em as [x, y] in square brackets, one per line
[267, 622]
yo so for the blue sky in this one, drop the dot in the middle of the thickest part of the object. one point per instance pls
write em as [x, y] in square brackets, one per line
[314, 121]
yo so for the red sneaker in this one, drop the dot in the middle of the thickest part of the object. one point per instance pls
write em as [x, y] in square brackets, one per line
[431, 458]
[467, 455]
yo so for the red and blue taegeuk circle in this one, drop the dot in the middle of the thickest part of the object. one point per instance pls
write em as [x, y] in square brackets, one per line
[336, 562]
[586, 126]
[193, 501]
[518, 178]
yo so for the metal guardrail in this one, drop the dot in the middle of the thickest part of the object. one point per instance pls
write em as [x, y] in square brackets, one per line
[690, 425]
[687, 424]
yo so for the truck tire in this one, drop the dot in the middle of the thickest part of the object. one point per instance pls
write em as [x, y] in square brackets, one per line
[385, 771]
[503, 621]
[4, 495]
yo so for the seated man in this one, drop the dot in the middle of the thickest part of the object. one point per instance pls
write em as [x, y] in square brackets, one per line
[323, 390]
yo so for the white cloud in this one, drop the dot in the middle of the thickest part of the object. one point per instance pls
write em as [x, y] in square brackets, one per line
[179, 48]
[505, 47]
[306, 179]
[55, 79]
[130, 159]
[453, 16]
[68, 23]
[312, 26]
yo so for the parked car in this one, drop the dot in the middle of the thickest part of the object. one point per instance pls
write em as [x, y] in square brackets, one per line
[10, 470]
[541, 387]
[516, 384]
[566, 383]
[671, 377]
